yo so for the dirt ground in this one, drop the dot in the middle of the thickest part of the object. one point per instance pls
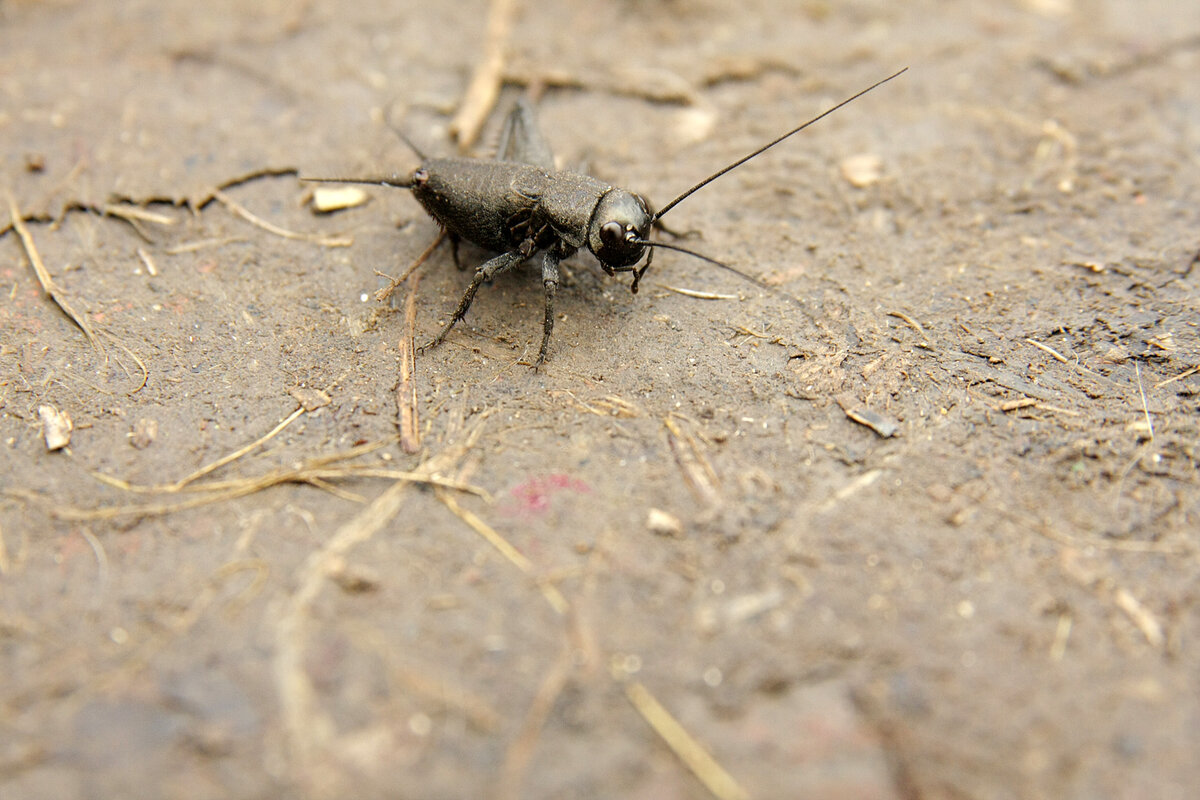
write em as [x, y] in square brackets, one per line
[921, 521]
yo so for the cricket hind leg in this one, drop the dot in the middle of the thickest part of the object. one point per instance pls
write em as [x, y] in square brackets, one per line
[521, 139]
[488, 270]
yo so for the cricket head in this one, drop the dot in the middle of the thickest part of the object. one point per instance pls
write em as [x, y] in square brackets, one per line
[618, 230]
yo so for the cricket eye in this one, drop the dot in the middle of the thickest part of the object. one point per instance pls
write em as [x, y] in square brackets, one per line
[612, 233]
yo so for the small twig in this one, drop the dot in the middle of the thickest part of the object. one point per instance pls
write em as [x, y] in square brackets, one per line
[697, 472]
[520, 752]
[101, 564]
[406, 389]
[241, 211]
[303, 720]
[1018, 403]
[687, 749]
[1062, 633]
[1145, 408]
[141, 364]
[1048, 349]
[553, 596]
[235, 455]
[1150, 627]
[484, 88]
[699, 295]
[912, 323]
[742, 329]
[393, 283]
[201, 244]
[149, 262]
[135, 214]
[1179, 377]
[43, 276]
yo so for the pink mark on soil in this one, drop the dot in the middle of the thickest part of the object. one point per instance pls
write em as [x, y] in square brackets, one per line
[534, 495]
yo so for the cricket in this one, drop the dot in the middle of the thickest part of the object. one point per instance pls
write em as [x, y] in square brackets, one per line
[517, 204]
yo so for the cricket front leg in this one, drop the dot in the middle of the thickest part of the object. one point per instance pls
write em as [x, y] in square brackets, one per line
[550, 283]
[490, 269]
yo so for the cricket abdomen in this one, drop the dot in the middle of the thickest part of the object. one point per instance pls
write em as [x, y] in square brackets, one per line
[481, 201]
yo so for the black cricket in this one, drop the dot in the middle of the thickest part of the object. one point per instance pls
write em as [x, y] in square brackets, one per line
[517, 203]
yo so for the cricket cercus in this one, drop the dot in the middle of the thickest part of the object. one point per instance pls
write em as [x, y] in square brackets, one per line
[517, 204]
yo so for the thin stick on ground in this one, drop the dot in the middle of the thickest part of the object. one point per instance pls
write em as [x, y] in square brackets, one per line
[1145, 407]
[43, 275]
[484, 88]
[1045, 348]
[406, 389]
[688, 750]
[243, 212]
[235, 455]
[393, 283]
[697, 471]
[141, 364]
[309, 473]
[697, 294]
[137, 214]
[306, 727]
[101, 565]
[553, 596]
[520, 752]
[912, 323]
[1186, 373]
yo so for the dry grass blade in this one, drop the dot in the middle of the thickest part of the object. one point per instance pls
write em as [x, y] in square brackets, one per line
[43, 276]
[243, 212]
[137, 214]
[316, 472]
[520, 752]
[234, 456]
[697, 472]
[689, 751]
[406, 389]
[307, 729]
[858, 411]
[1045, 348]
[1150, 627]
[553, 596]
[916, 326]
[1186, 373]
[699, 295]
[141, 364]
[394, 283]
[1145, 406]
[151, 267]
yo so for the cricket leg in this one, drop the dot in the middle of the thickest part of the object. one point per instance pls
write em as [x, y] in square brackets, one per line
[490, 269]
[550, 283]
[521, 140]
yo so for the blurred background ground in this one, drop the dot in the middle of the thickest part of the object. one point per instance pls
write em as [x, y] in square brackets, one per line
[692, 512]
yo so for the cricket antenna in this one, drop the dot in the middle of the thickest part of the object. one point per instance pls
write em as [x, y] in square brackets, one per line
[392, 181]
[404, 138]
[728, 267]
[662, 211]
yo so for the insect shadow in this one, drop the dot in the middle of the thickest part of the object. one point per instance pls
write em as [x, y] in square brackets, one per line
[517, 204]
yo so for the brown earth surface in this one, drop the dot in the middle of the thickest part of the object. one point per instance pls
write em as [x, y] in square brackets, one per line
[682, 560]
